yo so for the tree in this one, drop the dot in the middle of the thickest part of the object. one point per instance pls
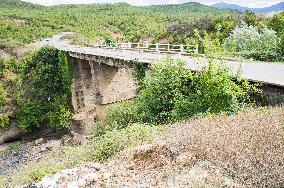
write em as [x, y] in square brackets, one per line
[250, 18]
[251, 43]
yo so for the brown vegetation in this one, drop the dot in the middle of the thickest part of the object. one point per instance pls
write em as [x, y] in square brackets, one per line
[248, 146]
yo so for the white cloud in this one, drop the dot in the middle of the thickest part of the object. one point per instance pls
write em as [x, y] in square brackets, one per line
[248, 3]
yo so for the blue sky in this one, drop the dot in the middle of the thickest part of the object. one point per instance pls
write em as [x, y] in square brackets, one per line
[248, 3]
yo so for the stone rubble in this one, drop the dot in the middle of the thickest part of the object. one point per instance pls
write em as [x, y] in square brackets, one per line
[13, 156]
[167, 170]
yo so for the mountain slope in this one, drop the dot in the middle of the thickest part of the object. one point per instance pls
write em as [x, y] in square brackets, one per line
[274, 8]
[16, 4]
[223, 5]
[97, 22]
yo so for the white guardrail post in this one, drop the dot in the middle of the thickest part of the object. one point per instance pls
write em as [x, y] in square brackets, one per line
[181, 49]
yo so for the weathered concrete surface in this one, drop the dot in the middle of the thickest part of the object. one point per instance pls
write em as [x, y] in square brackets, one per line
[95, 86]
[272, 95]
[113, 84]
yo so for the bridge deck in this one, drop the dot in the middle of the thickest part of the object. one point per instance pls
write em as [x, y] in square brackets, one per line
[269, 73]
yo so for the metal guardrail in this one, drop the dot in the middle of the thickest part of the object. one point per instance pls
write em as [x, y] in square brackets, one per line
[160, 48]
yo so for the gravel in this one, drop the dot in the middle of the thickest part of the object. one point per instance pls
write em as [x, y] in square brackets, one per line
[14, 155]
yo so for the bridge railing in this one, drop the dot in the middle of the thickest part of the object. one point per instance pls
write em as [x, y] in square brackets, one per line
[165, 48]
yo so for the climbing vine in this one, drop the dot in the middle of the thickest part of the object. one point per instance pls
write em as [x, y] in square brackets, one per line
[45, 91]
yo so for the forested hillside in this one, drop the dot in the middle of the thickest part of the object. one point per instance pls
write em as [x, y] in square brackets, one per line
[22, 23]
[190, 23]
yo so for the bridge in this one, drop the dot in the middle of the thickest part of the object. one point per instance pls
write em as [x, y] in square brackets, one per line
[262, 72]
[104, 73]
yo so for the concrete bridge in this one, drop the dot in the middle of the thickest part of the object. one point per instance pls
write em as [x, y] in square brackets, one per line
[104, 74]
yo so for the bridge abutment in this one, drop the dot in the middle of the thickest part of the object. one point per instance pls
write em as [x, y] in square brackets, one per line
[96, 85]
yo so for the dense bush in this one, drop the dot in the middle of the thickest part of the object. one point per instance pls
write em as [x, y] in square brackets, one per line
[211, 46]
[8, 79]
[166, 82]
[214, 91]
[116, 140]
[251, 43]
[277, 22]
[45, 93]
[121, 115]
[173, 93]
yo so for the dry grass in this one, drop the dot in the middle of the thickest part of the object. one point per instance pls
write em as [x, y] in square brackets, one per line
[249, 146]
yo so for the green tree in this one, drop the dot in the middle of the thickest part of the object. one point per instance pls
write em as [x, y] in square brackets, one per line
[250, 18]
[249, 42]
[277, 24]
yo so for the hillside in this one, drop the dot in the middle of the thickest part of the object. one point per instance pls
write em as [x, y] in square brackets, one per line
[274, 8]
[17, 4]
[95, 23]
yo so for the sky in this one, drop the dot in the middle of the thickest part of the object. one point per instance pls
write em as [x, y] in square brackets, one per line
[247, 3]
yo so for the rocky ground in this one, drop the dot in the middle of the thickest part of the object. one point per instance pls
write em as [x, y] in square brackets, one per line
[17, 154]
[145, 166]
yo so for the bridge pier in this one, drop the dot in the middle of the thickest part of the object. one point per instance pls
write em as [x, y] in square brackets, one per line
[98, 83]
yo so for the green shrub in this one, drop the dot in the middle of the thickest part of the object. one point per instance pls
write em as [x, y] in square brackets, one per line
[165, 83]
[214, 91]
[211, 46]
[121, 115]
[277, 24]
[45, 95]
[60, 116]
[140, 73]
[174, 93]
[115, 141]
[4, 122]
